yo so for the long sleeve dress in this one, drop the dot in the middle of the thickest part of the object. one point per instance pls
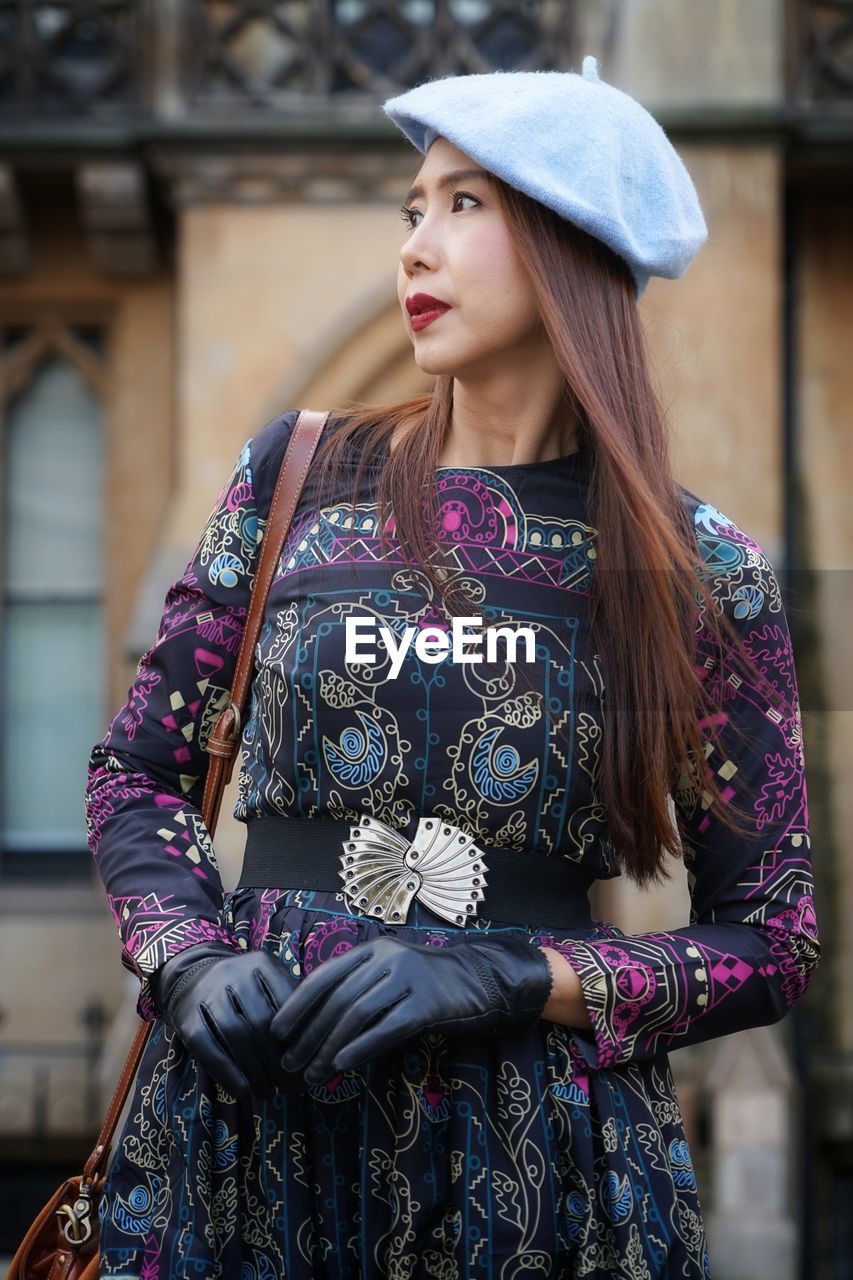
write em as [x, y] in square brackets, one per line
[559, 1152]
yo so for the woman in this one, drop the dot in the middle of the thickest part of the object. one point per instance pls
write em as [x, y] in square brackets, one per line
[401, 1046]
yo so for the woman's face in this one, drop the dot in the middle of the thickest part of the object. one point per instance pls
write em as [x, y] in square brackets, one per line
[459, 250]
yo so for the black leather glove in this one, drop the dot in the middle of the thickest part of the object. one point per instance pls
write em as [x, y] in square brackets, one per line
[363, 1003]
[220, 1002]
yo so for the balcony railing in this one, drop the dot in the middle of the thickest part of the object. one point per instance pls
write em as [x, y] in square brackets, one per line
[114, 69]
[164, 57]
[51, 1088]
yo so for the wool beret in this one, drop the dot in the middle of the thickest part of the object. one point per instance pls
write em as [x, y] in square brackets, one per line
[588, 151]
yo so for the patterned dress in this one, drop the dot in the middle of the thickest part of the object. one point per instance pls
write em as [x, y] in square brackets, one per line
[559, 1152]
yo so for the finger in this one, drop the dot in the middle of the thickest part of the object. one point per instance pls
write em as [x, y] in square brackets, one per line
[269, 1047]
[252, 1051]
[213, 1053]
[342, 1001]
[276, 988]
[394, 1027]
[370, 1013]
[313, 990]
[366, 1012]
[231, 1042]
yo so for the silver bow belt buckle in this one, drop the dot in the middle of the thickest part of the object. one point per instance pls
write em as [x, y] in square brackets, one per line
[382, 871]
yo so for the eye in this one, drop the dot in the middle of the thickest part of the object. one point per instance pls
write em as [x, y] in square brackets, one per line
[408, 214]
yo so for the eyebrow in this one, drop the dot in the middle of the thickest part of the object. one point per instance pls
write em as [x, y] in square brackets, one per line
[416, 191]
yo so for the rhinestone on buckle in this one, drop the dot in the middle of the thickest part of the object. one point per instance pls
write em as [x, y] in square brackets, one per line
[383, 872]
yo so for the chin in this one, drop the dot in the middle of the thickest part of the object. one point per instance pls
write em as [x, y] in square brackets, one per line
[432, 365]
[439, 359]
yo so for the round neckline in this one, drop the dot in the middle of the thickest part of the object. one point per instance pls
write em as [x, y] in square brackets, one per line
[577, 458]
[565, 460]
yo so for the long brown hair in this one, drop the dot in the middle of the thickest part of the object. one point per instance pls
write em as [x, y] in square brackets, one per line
[648, 583]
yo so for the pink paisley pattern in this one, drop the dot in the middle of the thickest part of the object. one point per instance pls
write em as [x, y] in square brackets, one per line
[146, 776]
[733, 967]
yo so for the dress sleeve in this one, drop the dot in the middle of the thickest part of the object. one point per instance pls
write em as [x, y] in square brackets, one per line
[752, 945]
[146, 776]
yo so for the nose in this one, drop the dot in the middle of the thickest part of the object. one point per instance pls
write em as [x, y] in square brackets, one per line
[418, 250]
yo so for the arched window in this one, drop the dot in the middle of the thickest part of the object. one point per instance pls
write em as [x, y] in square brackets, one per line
[51, 626]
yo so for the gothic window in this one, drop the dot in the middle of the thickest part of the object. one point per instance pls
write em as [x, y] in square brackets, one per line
[52, 687]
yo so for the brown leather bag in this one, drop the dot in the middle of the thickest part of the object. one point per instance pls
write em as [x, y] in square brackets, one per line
[62, 1242]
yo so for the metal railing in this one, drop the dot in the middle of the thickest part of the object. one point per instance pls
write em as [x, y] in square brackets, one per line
[167, 57]
[30, 1074]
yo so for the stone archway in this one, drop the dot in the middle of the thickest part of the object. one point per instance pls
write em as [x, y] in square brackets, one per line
[368, 360]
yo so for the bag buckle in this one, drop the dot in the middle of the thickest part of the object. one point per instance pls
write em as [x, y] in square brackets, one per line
[77, 1227]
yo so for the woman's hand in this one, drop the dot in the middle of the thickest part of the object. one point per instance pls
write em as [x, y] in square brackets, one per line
[364, 1003]
[220, 1002]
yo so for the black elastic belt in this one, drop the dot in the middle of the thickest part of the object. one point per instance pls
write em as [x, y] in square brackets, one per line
[515, 888]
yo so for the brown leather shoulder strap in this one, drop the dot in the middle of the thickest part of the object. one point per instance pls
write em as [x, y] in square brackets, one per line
[223, 741]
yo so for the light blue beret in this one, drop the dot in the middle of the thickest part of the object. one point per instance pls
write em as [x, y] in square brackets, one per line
[586, 150]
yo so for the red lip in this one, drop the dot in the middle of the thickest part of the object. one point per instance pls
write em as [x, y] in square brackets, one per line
[425, 302]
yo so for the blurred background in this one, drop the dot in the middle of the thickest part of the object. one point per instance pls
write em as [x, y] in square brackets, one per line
[199, 230]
